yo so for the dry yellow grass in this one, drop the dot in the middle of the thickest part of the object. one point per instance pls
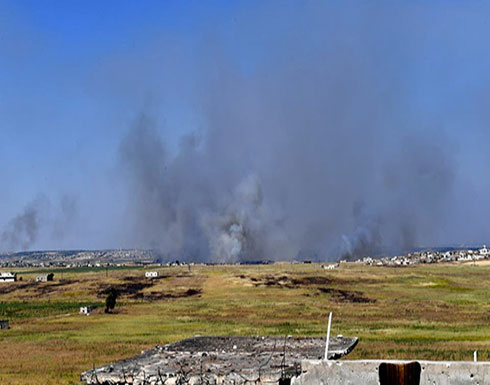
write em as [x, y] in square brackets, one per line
[422, 312]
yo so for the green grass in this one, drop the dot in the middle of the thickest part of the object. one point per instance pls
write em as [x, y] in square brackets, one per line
[16, 310]
[430, 312]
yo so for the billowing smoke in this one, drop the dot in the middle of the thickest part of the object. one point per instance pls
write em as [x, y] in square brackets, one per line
[271, 130]
[310, 150]
[39, 218]
[231, 197]
[22, 231]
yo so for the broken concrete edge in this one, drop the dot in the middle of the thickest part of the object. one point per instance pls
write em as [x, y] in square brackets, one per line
[335, 355]
[366, 372]
[219, 368]
[220, 357]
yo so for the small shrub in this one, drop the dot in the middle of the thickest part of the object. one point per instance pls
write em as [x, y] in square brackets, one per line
[110, 301]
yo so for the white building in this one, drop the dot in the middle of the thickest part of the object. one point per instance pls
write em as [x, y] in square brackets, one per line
[8, 277]
[484, 251]
[331, 266]
[45, 277]
[151, 274]
[87, 310]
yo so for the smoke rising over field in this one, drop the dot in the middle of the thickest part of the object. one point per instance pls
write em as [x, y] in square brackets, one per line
[278, 130]
[39, 218]
[22, 231]
[282, 174]
[258, 194]
[311, 154]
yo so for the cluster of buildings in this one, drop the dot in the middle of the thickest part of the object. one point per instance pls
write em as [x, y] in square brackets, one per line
[76, 258]
[84, 258]
[463, 255]
[8, 276]
[331, 266]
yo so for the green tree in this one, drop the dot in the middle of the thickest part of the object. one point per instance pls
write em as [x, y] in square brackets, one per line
[110, 301]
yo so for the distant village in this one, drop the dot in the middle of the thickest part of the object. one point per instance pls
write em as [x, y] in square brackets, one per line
[459, 255]
[137, 257]
[78, 258]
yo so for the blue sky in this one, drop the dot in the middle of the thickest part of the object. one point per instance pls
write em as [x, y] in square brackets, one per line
[60, 121]
[74, 76]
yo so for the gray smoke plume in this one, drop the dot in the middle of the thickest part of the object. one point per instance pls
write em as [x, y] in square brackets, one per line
[22, 231]
[62, 217]
[277, 129]
[311, 151]
[208, 203]
[40, 218]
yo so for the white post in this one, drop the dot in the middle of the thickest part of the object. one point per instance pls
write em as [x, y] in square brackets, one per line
[328, 335]
[475, 356]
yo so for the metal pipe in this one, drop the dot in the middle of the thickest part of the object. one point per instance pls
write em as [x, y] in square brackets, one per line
[328, 335]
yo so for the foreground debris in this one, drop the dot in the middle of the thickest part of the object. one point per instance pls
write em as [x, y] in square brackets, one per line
[220, 360]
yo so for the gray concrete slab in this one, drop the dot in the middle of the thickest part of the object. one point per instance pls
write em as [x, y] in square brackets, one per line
[365, 372]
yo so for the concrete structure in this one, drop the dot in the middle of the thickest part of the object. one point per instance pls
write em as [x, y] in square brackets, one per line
[4, 324]
[8, 277]
[87, 310]
[45, 277]
[219, 360]
[365, 372]
[151, 274]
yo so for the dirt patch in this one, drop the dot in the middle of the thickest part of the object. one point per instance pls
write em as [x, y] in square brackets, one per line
[135, 290]
[346, 295]
[288, 282]
[315, 282]
[308, 281]
[160, 295]
[6, 288]
[129, 289]
[51, 287]
[38, 287]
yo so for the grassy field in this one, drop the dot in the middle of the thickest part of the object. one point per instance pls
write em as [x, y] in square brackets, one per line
[432, 312]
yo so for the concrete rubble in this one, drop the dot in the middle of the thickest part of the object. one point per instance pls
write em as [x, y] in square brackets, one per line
[220, 360]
